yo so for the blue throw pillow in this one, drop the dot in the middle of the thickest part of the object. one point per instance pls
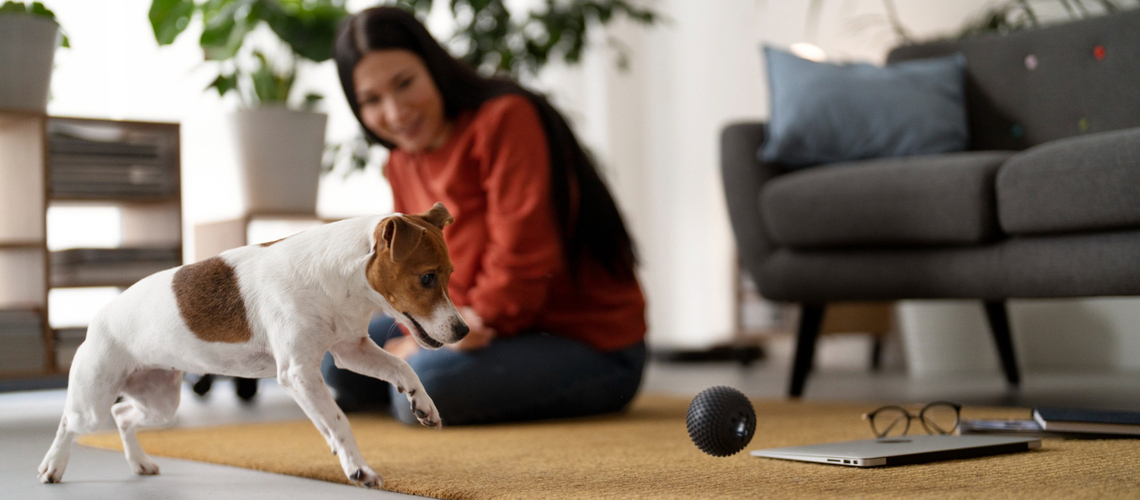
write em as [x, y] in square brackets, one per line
[823, 113]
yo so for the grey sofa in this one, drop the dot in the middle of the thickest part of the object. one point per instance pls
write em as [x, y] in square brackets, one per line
[1046, 203]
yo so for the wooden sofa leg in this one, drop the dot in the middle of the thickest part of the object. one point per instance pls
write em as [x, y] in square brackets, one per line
[999, 324]
[811, 316]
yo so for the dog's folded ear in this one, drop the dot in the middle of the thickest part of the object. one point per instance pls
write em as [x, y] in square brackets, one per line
[400, 237]
[438, 215]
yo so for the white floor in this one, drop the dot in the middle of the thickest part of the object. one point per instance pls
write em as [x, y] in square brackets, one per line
[28, 421]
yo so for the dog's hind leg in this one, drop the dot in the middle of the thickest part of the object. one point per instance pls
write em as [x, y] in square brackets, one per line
[152, 397]
[55, 462]
[92, 389]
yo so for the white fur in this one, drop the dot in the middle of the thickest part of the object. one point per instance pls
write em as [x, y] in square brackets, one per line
[304, 296]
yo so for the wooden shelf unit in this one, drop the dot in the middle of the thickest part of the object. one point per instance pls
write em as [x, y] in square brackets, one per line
[33, 166]
[23, 246]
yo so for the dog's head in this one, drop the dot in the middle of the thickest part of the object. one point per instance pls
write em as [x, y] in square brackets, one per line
[410, 268]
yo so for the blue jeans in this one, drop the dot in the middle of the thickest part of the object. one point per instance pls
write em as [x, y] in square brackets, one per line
[529, 377]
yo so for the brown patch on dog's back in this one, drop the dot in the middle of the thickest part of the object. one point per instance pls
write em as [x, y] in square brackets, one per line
[210, 302]
[268, 243]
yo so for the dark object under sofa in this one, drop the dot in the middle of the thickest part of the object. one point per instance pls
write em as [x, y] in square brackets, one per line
[1046, 203]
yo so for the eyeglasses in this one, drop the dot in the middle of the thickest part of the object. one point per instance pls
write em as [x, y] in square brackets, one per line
[940, 417]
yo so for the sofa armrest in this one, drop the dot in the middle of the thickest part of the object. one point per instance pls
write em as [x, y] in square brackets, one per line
[743, 176]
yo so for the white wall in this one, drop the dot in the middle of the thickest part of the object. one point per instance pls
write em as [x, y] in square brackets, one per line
[1048, 335]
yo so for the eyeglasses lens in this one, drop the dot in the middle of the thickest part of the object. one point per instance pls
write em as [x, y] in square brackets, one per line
[890, 422]
[940, 418]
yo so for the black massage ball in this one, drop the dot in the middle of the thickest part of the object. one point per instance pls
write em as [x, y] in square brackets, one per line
[721, 421]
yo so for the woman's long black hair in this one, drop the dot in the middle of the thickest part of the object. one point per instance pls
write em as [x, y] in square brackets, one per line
[588, 219]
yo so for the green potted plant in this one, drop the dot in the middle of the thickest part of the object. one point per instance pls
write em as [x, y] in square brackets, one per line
[279, 135]
[29, 35]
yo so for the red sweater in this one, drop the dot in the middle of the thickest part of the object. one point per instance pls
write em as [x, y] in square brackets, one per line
[493, 175]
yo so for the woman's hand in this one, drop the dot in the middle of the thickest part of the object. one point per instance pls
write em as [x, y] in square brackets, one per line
[478, 337]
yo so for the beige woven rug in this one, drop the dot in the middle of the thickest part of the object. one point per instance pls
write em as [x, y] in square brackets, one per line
[646, 453]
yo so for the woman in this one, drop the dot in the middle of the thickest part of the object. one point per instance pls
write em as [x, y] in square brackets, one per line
[544, 266]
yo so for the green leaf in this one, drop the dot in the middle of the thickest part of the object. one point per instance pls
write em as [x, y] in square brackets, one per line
[38, 9]
[308, 27]
[311, 101]
[270, 85]
[35, 9]
[168, 18]
[224, 83]
[227, 24]
[13, 8]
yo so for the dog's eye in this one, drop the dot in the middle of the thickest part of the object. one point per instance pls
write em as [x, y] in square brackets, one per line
[428, 280]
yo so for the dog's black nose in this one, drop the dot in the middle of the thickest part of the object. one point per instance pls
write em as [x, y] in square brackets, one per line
[461, 330]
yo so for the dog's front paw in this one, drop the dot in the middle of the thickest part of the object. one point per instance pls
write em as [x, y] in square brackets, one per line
[424, 409]
[366, 477]
[50, 473]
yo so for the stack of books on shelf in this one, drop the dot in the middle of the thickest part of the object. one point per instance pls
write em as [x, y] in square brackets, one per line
[110, 266]
[22, 335]
[87, 162]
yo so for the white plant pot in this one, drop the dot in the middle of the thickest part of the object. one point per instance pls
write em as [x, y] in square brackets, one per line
[27, 50]
[279, 154]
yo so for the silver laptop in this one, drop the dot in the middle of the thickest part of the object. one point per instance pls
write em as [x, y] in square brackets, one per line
[902, 450]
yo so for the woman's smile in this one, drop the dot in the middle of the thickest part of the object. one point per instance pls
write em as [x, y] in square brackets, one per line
[399, 101]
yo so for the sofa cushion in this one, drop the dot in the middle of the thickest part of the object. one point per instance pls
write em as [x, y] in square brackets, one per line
[921, 200]
[827, 113]
[1034, 86]
[1059, 265]
[1081, 183]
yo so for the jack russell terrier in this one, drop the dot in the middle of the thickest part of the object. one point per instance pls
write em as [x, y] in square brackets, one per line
[266, 310]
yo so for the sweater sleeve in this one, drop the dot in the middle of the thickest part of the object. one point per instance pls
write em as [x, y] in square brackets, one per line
[523, 250]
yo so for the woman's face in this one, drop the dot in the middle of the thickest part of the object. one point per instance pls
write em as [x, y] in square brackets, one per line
[399, 101]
